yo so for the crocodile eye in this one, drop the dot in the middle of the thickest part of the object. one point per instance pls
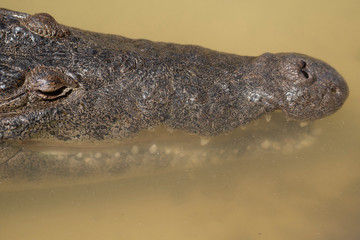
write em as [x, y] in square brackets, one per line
[52, 87]
[50, 83]
[44, 25]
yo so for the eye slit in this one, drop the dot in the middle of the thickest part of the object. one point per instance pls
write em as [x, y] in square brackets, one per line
[53, 95]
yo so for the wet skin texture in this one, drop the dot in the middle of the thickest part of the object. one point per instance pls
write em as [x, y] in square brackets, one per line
[66, 83]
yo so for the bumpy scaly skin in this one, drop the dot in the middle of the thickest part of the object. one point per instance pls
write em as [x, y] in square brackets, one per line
[62, 82]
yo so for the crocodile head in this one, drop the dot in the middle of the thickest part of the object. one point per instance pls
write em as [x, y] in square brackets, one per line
[61, 82]
[49, 73]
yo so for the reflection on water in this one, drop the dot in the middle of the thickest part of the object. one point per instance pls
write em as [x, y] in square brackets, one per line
[307, 193]
[259, 183]
[155, 150]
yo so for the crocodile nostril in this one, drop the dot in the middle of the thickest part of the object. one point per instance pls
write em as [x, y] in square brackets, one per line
[304, 73]
[303, 69]
[335, 90]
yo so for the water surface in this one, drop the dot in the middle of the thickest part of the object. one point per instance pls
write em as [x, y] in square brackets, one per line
[309, 193]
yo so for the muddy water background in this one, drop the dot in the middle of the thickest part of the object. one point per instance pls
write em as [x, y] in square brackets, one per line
[309, 194]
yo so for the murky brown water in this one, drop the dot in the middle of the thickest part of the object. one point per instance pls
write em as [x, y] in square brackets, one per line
[312, 192]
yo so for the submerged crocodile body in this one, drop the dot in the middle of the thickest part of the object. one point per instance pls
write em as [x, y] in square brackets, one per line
[64, 83]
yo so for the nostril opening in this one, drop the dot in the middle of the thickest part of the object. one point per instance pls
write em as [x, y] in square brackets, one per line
[305, 74]
[335, 90]
[303, 69]
[302, 64]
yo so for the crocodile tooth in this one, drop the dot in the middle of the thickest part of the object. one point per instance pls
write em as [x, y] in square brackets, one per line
[268, 117]
[204, 141]
[135, 150]
[303, 124]
[153, 149]
[79, 155]
[265, 144]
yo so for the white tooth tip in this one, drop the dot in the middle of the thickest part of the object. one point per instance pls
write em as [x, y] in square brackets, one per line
[265, 144]
[170, 130]
[268, 118]
[303, 124]
[135, 150]
[204, 141]
[97, 155]
[153, 149]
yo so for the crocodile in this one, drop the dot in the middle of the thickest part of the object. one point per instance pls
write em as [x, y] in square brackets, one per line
[59, 82]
